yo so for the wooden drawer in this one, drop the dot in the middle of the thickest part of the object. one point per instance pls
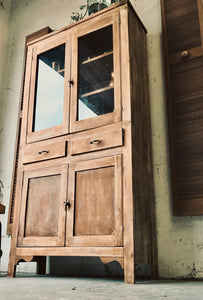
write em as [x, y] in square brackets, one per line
[43, 151]
[100, 141]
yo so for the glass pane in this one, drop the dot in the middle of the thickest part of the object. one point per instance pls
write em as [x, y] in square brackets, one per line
[96, 74]
[49, 95]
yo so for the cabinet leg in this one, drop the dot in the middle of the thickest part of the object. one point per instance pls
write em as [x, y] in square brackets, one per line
[11, 267]
[41, 264]
[14, 261]
[129, 269]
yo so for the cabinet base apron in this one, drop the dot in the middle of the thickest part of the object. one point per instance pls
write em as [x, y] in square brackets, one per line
[38, 255]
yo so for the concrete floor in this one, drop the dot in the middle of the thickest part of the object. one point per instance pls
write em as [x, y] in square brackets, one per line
[60, 288]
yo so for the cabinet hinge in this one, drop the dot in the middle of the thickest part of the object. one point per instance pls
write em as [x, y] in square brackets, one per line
[119, 20]
[122, 169]
[123, 228]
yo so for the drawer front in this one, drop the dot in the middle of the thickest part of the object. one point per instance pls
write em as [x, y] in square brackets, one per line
[98, 141]
[43, 151]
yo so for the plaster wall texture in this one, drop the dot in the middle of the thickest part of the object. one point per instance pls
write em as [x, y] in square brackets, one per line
[180, 243]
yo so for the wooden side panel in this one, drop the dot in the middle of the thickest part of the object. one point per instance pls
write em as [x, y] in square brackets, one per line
[184, 103]
[29, 38]
[183, 30]
[187, 112]
[144, 210]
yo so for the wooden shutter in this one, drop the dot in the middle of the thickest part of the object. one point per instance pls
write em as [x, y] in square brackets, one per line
[29, 38]
[183, 53]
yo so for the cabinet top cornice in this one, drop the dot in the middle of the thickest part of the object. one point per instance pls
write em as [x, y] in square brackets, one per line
[99, 13]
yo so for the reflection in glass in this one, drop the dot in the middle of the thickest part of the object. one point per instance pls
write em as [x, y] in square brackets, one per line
[49, 95]
[96, 74]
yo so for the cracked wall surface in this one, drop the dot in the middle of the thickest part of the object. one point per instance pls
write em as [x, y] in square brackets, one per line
[180, 246]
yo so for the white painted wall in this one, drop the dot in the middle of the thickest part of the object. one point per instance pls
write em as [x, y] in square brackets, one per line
[180, 243]
[4, 26]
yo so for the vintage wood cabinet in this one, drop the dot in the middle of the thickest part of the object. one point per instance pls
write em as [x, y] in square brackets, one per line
[83, 182]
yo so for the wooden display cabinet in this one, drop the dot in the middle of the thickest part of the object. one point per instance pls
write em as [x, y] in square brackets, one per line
[84, 184]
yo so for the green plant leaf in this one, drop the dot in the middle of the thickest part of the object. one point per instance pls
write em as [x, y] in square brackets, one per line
[82, 7]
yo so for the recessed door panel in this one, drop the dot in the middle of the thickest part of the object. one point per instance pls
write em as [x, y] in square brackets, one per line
[43, 193]
[42, 220]
[94, 204]
[95, 214]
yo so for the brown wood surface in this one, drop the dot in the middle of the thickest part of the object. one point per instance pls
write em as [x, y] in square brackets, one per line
[96, 142]
[2, 209]
[95, 213]
[43, 151]
[187, 109]
[184, 102]
[72, 251]
[42, 221]
[42, 207]
[107, 260]
[182, 21]
[128, 201]
[143, 192]
[94, 202]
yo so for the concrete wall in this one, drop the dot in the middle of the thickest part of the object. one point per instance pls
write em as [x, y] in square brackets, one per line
[180, 246]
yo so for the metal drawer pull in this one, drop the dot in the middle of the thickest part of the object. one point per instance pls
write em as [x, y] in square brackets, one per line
[185, 54]
[43, 152]
[95, 142]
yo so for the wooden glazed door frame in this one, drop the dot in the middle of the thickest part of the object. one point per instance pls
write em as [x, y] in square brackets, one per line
[39, 48]
[44, 241]
[115, 116]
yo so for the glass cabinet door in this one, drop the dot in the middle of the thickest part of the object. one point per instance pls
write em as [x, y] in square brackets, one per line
[49, 95]
[96, 97]
[48, 110]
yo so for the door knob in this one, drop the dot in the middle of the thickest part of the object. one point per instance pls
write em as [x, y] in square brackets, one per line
[185, 54]
[70, 82]
[67, 204]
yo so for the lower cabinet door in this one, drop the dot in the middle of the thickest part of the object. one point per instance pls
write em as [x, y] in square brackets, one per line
[42, 218]
[94, 216]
